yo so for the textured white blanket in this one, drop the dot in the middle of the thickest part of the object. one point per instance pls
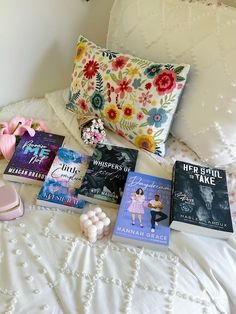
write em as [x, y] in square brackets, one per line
[47, 266]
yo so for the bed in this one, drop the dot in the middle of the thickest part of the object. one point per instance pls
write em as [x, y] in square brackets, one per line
[47, 266]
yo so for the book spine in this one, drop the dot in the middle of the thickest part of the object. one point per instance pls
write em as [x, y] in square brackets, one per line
[172, 195]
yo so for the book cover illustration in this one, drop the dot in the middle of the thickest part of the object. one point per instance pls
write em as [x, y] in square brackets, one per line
[34, 156]
[64, 179]
[200, 197]
[144, 210]
[107, 172]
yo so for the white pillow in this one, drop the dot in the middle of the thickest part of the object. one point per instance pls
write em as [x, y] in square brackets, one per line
[203, 36]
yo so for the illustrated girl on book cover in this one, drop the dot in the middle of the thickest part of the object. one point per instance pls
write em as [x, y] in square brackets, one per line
[137, 206]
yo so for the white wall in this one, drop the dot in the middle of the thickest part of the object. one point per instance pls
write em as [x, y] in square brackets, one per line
[230, 2]
[38, 40]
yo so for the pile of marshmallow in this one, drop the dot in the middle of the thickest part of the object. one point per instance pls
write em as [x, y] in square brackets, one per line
[95, 224]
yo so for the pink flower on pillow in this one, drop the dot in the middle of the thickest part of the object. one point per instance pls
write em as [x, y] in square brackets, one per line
[165, 82]
[123, 86]
[145, 98]
[140, 115]
[119, 63]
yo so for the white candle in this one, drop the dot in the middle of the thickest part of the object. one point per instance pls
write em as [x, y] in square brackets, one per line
[97, 210]
[101, 215]
[86, 225]
[92, 230]
[92, 239]
[94, 219]
[107, 223]
[100, 227]
[90, 213]
[82, 219]
[100, 236]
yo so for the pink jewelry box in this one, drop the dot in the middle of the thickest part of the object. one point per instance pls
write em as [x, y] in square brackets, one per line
[11, 206]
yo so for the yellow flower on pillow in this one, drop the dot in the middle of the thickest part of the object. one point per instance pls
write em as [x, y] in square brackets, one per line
[154, 102]
[75, 85]
[112, 113]
[133, 71]
[128, 111]
[146, 142]
[81, 50]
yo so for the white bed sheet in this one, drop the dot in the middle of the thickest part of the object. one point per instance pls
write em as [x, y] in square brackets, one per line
[46, 266]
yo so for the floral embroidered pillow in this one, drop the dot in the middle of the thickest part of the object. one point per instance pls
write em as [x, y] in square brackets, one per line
[135, 98]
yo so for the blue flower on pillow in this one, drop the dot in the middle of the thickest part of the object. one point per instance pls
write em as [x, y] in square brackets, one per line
[136, 83]
[157, 117]
[153, 70]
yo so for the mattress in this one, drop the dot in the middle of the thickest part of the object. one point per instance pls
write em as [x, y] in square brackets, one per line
[47, 266]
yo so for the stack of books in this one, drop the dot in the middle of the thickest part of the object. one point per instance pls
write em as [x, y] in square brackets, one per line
[195, 200]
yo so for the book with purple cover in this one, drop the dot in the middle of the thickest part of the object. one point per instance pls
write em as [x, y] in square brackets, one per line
[33, 157]
[143, 216]
[61, 185]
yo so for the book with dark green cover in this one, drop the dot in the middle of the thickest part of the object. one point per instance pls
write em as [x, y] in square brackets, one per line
[200, 202]
[104, 181]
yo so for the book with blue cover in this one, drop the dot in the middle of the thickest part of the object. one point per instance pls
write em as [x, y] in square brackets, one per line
[143, 217]
[33, 157]
[64, 178]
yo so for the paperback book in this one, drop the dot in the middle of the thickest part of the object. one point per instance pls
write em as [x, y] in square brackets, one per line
[200, 201]
[143, 216]
[33, 157]
[61, 185]
[104, 181]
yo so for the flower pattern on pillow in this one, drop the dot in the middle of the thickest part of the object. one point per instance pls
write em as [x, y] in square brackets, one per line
[135, 98]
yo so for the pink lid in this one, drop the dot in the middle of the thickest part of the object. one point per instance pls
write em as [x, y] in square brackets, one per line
[8, 197]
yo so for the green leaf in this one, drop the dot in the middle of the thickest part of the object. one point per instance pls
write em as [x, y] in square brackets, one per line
[179, 78]
[120, 75]
[158, 132]
[113, 77]
[179, 69]
[127, 125]
[110, 54]
[144, 110]
[80, 73]
[142, 63]
[158, 141]
[143, 125]
[99, 83]
[83, 40]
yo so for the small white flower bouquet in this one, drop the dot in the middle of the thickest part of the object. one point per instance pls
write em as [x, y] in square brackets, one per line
[93, 132]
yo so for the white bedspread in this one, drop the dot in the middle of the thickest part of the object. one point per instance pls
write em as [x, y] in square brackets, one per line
[46, 266]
